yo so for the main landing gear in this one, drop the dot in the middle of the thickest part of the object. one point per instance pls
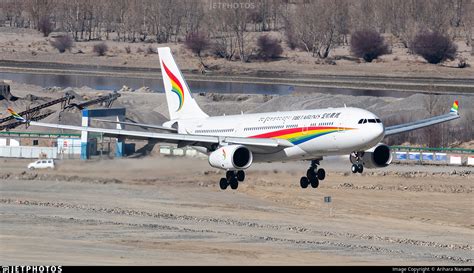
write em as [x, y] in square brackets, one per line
[232, 179]
[313, 176]
[357, 167]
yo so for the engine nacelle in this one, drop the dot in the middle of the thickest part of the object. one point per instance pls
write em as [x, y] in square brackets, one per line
[378, 156]
[231, 157]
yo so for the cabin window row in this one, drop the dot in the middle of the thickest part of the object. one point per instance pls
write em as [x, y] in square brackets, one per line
[214, 131]
[264, 128]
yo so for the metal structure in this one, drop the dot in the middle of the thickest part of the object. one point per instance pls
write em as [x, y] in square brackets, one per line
[87, 114]
[107, 100]
[34, 113]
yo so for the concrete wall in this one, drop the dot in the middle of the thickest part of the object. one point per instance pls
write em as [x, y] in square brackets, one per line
[28, 152]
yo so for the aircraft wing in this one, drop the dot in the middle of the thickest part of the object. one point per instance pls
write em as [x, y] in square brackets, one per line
[137, 124]
[266, 145]
[401, 128]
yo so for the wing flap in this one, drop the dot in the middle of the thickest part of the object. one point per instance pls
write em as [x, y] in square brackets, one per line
[137, 124]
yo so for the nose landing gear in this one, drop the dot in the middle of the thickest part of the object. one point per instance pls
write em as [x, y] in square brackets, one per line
[357, 166]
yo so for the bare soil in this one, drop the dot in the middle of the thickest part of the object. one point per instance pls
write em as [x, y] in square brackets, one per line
[150, 212]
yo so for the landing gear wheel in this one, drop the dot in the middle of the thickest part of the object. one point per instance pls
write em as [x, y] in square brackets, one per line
[234, 184]
[310, 173]
[240, 176]
[354, 168]
[314, 182]
[360, 168]
[229, 175]
[223, 183]
[304, 182]
[321, 174]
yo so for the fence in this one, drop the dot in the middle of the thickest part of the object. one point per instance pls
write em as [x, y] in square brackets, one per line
[28, 152]
[451, 156]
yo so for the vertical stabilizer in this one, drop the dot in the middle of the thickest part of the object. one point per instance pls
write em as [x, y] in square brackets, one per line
[455, 107]
[181, 104]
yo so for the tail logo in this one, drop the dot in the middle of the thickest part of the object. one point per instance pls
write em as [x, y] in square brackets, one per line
[176, 86]
[16, 115]
[455, 107]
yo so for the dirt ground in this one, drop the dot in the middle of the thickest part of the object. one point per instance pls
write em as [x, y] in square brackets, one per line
[170, 211]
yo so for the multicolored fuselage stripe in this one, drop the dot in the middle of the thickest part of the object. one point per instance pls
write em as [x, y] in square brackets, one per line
[176, 86]
[15, 114]
[298, 135]
[455, 107]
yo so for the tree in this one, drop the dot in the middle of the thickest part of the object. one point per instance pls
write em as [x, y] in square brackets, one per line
[315, 25]
[434, 47]
[368, 44]
[197, 42]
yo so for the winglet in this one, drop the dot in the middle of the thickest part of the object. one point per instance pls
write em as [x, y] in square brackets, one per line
[16, 115]
[455, 108]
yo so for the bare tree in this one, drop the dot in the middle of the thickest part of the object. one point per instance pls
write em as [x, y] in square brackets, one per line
[315, 26]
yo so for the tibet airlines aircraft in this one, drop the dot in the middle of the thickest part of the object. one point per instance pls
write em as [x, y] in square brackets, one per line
[234, 142]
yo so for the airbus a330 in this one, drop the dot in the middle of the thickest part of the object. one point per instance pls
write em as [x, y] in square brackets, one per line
[234, 142]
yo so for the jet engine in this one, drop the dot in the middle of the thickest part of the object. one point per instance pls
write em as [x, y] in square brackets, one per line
[231, 157]
[378, 156]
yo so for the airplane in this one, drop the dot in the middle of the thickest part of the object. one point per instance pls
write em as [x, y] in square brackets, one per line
[234, 142]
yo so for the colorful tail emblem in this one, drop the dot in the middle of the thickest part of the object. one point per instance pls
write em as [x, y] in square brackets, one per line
[176, 87]
[455, 107]
[15, 115]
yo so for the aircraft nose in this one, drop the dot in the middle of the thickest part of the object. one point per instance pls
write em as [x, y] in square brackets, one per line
[379, 131]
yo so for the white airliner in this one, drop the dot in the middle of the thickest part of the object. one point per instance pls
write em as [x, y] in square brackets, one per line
[234, 142]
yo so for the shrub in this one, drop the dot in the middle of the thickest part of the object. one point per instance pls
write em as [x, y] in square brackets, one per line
[45, 26]
[100, 49]
[368, 44]
[128, 50]
[434, 47]
[197, 42]
[140, 50]
[268, 47]
[62, 43]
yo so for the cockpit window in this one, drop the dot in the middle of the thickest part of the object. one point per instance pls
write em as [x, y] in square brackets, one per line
[363, 121]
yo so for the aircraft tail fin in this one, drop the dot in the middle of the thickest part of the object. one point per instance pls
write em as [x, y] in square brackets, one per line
[181, 104]
[455, 107]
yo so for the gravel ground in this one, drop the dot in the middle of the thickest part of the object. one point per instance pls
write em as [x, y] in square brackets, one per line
[145, 211]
